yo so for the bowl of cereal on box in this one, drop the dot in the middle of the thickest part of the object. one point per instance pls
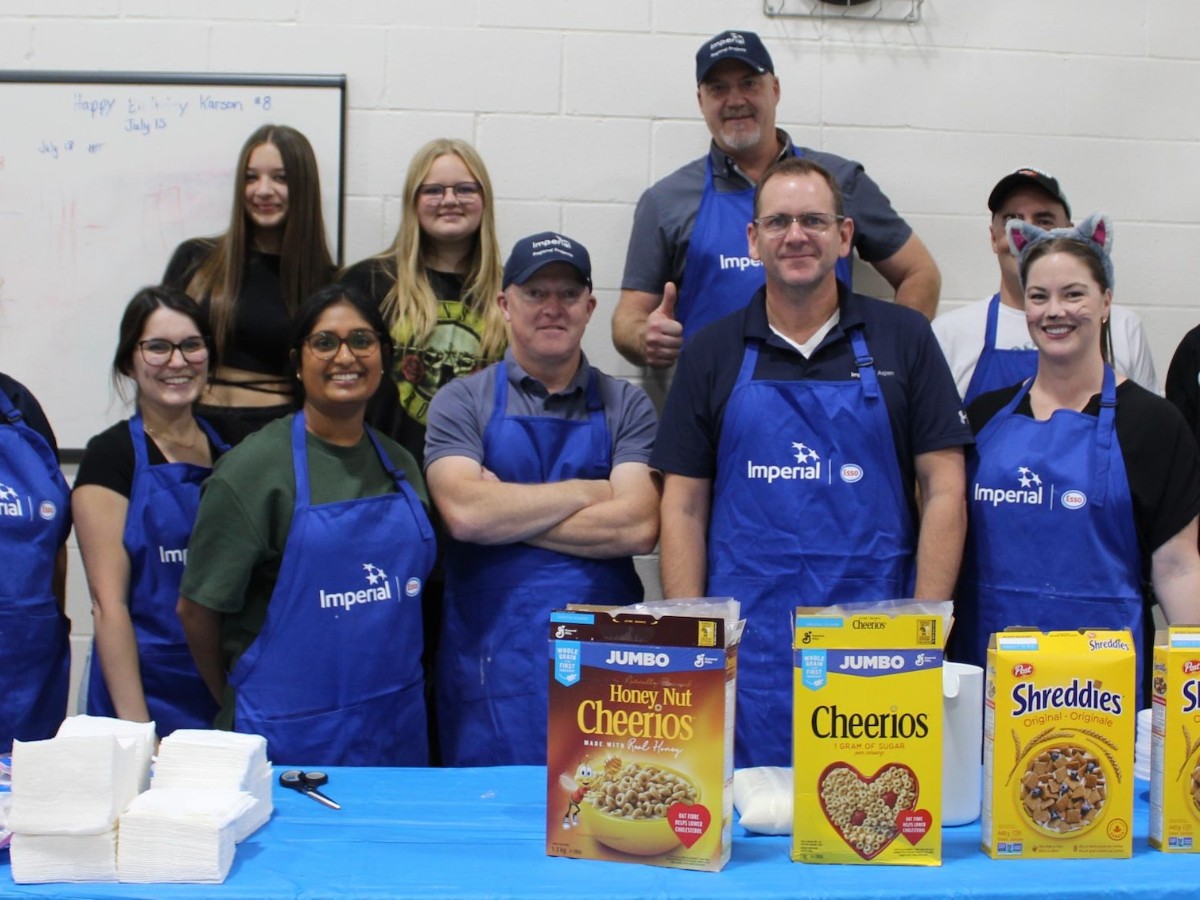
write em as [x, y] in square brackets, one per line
[643, 809]
[865, 810]
[1063, 785]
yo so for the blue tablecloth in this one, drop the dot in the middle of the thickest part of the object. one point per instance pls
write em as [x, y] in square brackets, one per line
[481, 832]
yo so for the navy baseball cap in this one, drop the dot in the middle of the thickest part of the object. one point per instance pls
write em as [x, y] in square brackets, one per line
[744, 46]
[532, 253]
[1027, 176]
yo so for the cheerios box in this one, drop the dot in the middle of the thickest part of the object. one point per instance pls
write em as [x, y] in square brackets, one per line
[1175, 742]
[867, 733]
[640, 734]
[1059, 715]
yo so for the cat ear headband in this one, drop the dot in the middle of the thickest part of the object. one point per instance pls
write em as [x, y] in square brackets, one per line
[1095, 233]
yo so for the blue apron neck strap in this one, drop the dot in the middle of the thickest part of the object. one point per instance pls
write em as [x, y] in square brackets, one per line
[8, 410]
[499, 403]
[1105, 429]
[749, 361]
[300, 459]
[137, 431]
[993, 318]
[865, 363]
[212, 434]
[599, 427]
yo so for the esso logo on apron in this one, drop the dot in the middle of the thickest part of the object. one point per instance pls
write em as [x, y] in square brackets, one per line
[1074, 499]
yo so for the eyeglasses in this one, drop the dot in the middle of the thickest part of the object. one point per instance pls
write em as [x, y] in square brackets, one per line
[326, 345]
[158, 351]
[810, 223]
[464, 192]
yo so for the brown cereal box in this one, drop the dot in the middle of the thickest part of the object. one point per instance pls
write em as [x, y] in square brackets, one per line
[1175, 742]
[640, 738]
[867, 734]
[1058, 744]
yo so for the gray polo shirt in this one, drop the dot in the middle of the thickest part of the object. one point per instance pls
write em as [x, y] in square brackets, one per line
[666, 213]
[460, 411]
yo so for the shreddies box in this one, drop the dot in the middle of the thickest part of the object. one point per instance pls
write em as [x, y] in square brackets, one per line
[1059, 714]
[1175, 742]
[867, 733]
[640, 740]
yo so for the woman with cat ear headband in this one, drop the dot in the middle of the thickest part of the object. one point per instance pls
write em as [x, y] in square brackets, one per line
[1082, 486]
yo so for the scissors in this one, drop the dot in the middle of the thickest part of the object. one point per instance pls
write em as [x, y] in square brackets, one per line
[307, 783]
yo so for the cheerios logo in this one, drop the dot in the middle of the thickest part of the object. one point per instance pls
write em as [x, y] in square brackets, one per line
[1074, 499]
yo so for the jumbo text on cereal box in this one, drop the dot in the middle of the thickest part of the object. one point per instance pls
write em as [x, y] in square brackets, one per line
[1175, 742]
[867, 734]
[640, 738]
[1059, 713]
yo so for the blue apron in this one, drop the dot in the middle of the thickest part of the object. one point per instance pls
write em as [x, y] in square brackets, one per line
[1059, 549]
[834, 528]
[158, 524]
[492, 683]
[35, 651]
[334, 677]
[719, 276]
[998, 368]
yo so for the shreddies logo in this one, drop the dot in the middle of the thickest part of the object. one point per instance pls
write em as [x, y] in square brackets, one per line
[808, 468]
[378, 588]
[1028, 491]
[10, 502]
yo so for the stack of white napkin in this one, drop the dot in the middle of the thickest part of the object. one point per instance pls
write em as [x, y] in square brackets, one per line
[180, 834]
[1141, 747]
[67, 794]
[215, 761]
[140, 736]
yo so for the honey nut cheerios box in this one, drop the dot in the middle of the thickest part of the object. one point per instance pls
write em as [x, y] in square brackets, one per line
[1059, 715]
[639, 757]
[1175, 742]
[867, 733]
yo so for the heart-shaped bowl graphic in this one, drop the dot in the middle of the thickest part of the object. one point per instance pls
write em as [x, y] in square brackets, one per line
[1061, 786]
[650, 836]
[863, 810]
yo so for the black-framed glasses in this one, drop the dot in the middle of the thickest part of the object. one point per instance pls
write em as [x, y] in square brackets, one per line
[325, 344]
[464, 192]
[158, 351]
[810, 223]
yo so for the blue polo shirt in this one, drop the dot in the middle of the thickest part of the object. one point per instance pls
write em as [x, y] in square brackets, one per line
[923, 405]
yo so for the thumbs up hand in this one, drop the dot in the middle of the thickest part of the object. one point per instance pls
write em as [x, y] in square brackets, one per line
[664, 335]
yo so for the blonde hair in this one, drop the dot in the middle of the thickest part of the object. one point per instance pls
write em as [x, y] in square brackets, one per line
[304, 260]
[411, 298]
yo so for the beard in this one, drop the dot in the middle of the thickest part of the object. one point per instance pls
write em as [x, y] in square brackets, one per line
[741, 137]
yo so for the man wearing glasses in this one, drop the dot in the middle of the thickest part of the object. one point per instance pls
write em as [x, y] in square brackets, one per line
[539, 466]
[687, 229]
[793, 436]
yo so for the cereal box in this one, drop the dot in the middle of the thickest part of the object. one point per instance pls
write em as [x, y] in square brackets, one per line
[867, 733]
[1175, 742]
[640, 737]
[1058, 744]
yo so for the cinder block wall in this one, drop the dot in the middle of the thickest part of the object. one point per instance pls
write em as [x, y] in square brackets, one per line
[577, 106]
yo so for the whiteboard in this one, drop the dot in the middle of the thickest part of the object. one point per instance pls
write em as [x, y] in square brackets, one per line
[102, 175]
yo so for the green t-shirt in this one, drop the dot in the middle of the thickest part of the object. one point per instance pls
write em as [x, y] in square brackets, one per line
[245, 515]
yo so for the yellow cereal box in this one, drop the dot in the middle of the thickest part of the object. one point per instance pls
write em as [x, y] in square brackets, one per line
[640, 738]
[867, 734]
[1059, 714]
[1175, 742]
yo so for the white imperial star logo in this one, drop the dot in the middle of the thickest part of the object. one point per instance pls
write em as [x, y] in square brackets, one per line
[7, 494]
[374, 573]
[1027, 477]
[804, 454]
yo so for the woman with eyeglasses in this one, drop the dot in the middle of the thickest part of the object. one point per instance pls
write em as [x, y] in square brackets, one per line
[302, 595]
[437, 286]
[35, 518]
[134, 504]
[252, 279]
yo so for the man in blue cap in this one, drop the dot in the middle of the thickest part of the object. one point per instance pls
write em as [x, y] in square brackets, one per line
[539, 466]
[687, 263]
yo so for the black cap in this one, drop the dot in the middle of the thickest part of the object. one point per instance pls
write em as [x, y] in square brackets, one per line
[1027, 175]
[530, 254]
[744, 46]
